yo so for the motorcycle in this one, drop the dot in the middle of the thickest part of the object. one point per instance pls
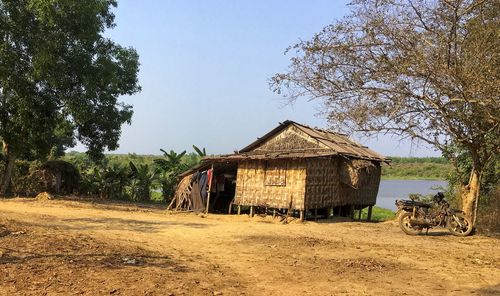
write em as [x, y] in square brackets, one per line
[414, 216]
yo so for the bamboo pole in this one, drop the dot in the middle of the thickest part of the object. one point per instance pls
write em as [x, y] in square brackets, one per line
[209, 188]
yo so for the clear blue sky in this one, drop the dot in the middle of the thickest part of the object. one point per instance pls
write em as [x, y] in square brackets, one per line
[204, 71]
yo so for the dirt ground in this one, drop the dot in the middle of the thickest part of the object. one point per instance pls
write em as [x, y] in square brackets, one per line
[61, 247]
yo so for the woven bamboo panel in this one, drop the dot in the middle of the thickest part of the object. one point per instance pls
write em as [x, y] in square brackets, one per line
[367, 190]
[290, 139]
[325, 189]
[322, 182]
[251, 188]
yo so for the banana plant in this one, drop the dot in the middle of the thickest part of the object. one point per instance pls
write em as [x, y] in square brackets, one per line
[142, 178]
[200, 152]
[169, 167]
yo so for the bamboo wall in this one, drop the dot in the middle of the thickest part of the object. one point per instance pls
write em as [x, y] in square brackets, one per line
[367, 189]
[322, 183]
[324, 187]
[271, 183]
[306, 183]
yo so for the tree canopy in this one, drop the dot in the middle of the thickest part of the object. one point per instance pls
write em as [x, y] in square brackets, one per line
[426, 70]
[60, 77]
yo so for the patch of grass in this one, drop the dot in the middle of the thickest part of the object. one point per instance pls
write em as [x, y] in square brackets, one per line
[378, 214]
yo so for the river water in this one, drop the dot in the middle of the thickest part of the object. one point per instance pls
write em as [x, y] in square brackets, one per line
[390, 190]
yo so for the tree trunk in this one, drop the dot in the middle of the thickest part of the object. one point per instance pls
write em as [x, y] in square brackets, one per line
[9, 170]
[470, 195]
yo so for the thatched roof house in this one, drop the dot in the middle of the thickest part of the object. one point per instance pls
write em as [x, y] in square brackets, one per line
[295, 167]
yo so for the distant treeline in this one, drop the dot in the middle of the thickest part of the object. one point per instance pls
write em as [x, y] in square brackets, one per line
[437, 168]
[400, 167]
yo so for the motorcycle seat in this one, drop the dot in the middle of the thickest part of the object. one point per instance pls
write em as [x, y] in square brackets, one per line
[412, 203]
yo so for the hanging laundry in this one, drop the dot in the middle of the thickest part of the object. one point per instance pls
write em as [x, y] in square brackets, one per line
[203, 181]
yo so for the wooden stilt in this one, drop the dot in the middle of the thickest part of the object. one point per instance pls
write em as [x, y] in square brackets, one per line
[315, 214]
[239, 210]
[330, 213]
[351, 212]
[274, 213]
[369, 216]
[230, 208]
[359, 214]
[301, 215]
[251, 211]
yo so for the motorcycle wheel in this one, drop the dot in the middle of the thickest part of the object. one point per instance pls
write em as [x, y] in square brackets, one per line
[404, 224]
[460, 225]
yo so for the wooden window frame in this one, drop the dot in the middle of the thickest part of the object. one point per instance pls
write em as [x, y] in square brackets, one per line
[275, 173]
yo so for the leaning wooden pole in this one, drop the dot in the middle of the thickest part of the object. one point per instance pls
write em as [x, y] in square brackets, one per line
[210, 187]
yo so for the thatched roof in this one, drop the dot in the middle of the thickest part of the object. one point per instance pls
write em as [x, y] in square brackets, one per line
[294, 140]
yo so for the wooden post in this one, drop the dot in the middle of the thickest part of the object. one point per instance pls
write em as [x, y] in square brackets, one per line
[230, 208]
[330, 213]
[301, 215]
[359, 214]
[351, 213]
[209, 188]
[315, 214]
[274, 213]
[239, 210]
[251, 211]
[369, 216]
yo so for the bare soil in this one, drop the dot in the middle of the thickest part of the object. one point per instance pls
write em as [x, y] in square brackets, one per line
[71, 247]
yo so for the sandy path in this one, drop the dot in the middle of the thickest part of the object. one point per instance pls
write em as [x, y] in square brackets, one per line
[238, 255]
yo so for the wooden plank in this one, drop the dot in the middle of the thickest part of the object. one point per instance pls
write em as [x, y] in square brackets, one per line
[210, 188]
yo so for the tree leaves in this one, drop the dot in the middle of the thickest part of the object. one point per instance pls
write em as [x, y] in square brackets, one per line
[56, 66]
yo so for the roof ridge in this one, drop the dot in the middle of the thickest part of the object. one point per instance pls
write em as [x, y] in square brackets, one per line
[317, 128]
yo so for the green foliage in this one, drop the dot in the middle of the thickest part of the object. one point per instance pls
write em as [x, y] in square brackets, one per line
[378, 214]
[141, 178]
[201, 152]
[132, 176]
[60, 78]
[172, 165]
[432, 168]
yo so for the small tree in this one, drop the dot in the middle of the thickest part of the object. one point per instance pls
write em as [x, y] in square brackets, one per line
[424, 70]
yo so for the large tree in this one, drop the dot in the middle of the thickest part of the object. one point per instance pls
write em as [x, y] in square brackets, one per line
[428, 70]
[60, 78]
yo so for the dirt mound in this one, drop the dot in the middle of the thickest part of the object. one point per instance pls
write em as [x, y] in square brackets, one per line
[290, 242]
[44, 196]
[4, 231]
[366, 264]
